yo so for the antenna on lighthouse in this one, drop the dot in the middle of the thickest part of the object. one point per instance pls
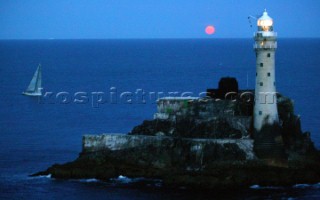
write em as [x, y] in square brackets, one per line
[250, 17]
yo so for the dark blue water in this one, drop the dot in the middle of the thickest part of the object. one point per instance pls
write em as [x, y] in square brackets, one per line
[36, 135]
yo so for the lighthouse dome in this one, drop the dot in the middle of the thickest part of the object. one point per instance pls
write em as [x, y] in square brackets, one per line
[265, 22]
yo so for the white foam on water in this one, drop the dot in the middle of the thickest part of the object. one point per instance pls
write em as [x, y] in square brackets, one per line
[122, 179]
[254, 186]
[317, 186]
[90, 180]
[258, 187]
[301, 186]
[126, 180]
[297, 186]
[43, 176]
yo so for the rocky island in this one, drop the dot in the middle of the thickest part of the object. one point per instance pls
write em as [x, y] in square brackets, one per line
[200, 143]
[231, 138]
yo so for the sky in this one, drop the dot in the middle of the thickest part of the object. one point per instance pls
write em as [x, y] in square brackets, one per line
[121, 19]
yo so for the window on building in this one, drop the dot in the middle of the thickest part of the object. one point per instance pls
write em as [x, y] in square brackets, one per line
[261, 83]
[268, 55]
[256, 74]
[261, 64]
[260, 112]
[269, 74]
[274, 83]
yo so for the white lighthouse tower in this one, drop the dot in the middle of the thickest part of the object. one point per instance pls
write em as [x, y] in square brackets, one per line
[265, 107]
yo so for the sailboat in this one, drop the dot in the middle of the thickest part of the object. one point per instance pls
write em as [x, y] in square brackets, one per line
[34, 88]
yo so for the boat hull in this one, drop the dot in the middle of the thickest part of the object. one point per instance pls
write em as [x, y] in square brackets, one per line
[32, 94]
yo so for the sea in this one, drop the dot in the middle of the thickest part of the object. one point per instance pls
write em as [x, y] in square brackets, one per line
[110, 86]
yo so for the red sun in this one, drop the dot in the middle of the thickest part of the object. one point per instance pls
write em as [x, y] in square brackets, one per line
[210, 30]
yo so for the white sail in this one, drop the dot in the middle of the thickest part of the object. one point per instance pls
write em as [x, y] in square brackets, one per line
[34, 88]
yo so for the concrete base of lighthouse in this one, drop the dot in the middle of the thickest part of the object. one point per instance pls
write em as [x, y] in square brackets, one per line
[268, 142]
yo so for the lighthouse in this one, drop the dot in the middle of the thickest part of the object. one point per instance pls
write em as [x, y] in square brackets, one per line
[265, 105]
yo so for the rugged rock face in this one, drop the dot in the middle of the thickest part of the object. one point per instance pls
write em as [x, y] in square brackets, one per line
[297, 144]
[193, 163]
[188, 128]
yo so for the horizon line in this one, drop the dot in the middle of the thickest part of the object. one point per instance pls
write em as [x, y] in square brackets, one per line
[195, 38]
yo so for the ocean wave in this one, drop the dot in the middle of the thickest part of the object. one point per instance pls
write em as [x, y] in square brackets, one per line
[317, 185]
[89, 180]
[122, 179]
[303, 186]
[258, 187]
[297, 186]
[126, 180]
[43, 176]
[254, 186]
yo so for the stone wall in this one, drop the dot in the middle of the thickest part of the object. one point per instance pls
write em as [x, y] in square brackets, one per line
[170, 108]
[204, 110]
[119, 142]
